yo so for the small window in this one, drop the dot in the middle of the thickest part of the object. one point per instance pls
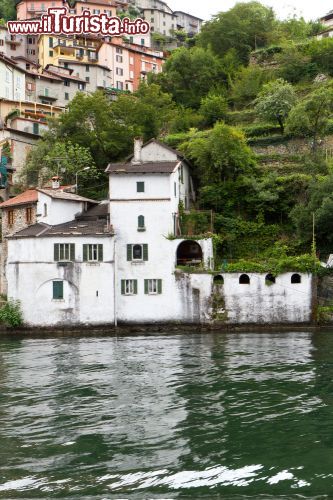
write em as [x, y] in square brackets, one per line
[296, 279]
[45, 210]
[175, 188]
[50, 53]
[58, 290]
[64, 252]
[137, 252]
[87, 68]
[218, 280]
[270, 279]
[153, 287]
[129, 287]
[140, 187]
[67, 83]
[244, 279]
[66, 96]
[10, 217]
[28, 215]
[141, 223]
[93, 253]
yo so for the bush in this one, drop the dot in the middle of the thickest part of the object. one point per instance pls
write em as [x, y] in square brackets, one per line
[11, 314]
[268, 141]
[261, 129]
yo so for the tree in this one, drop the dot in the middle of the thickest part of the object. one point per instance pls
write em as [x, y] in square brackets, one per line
[319, 202]
[213, 109]
[7, 10]
[247, 84]
[243, 28]
[310, 117]
[190, 74]
[60, 158]
[275, 101]
[220, 154]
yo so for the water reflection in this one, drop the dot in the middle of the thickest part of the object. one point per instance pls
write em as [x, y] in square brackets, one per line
[195, 416]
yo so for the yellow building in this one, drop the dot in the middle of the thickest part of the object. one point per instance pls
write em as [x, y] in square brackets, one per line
[56, 50]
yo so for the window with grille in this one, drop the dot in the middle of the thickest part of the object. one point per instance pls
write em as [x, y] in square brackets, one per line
[93, 253]
[129, 287]
[153, 287]
[64, 252]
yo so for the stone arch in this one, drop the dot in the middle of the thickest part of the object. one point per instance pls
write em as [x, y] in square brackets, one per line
[270, 279]
[189, 252]
[244, 279]
[218, 280]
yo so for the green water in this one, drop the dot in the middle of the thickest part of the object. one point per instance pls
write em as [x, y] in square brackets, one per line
[183, 416]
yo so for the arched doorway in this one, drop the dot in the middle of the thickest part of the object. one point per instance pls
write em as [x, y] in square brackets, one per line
[189, 253]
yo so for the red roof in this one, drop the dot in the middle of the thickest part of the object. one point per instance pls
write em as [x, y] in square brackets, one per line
[29, 196]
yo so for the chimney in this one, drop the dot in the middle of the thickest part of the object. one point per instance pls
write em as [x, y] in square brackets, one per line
[55, 182]
[138, 142]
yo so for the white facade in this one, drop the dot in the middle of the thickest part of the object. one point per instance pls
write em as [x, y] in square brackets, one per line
[12, 80]
[88, 287]
[137, 278]
[55, 211]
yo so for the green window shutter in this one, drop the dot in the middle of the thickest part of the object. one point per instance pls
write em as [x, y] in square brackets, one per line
[141, 221]
[145, 252]
[129, 252]
[72, 252]
[135, 287]
[123, 287]
[58, 290]
[85, 253]
[146, 287]
[56, 252]
[100, 253]
[159, 286]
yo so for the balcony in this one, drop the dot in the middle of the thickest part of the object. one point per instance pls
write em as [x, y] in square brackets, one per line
[49, 95]
[13, 40]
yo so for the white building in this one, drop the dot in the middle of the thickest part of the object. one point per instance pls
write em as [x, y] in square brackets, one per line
[122, 261]
[12, 78]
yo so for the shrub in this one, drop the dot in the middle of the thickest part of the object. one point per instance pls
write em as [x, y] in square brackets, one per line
[11, 314]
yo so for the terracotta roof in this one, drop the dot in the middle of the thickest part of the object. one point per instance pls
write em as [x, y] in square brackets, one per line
[29, 196]
[161, 167]
[62, 195]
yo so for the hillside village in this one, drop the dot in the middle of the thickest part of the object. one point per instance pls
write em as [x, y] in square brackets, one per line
[195, 189]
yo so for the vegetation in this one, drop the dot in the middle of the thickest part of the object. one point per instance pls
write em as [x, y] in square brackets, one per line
[11, 314]
[250, 104]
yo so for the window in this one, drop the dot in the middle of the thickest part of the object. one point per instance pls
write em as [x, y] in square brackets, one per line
[45, 210]
[120, 85]
[87, 79]
[141, 223]
[28, 215]
[87, 68]
[10, 217]
[58, 290]
[140, 187]
[244, 279]
[153, 287]
[218, 280]
[119, 50]
[119, 59]
[50, 53]
[80, 86]
[142, 41]
[50, 42]
[270, 279]
[67, 83]
[64, 252]
[175, 188]
[129, 287]
[1, 43]
[296, 279]
[35, 128]
[66, 96]
[119, 71]
[137, 252]
[93, 253]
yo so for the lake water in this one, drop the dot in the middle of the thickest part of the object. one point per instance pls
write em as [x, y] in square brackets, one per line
[211, 416]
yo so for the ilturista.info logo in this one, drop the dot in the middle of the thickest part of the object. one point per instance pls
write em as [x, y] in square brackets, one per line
[58, 22]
